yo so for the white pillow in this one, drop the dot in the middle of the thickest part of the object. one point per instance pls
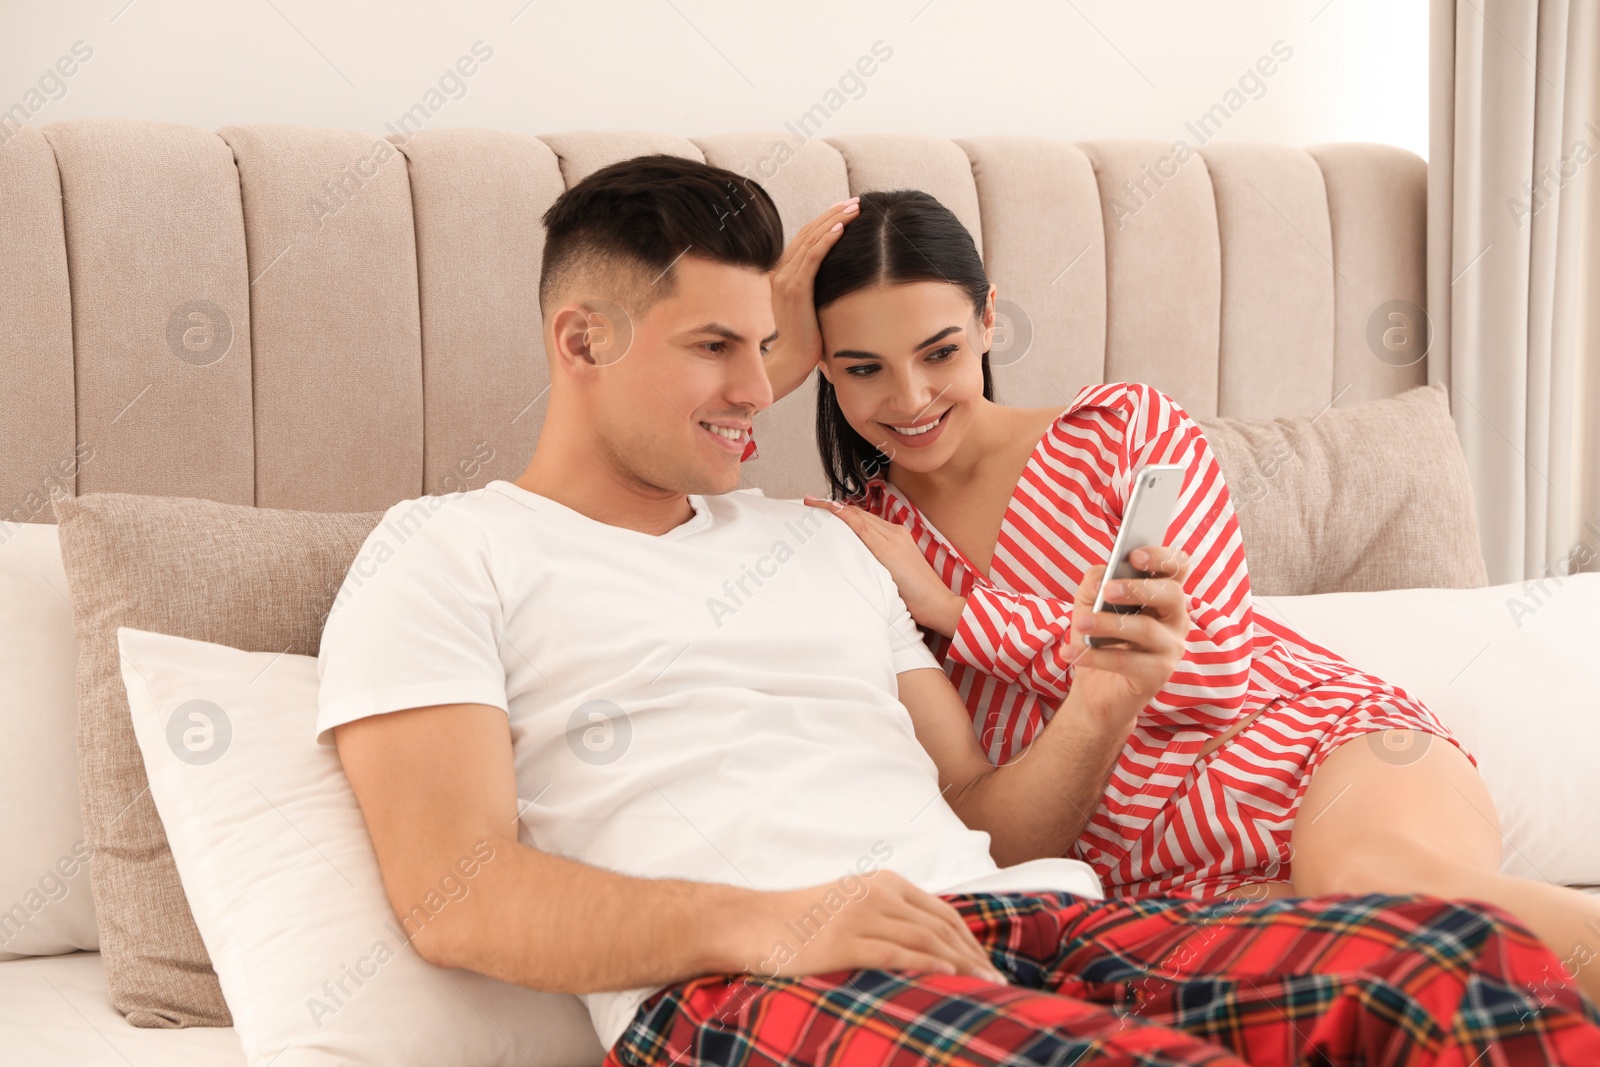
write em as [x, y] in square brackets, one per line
[279, 871]
[1514, 672]
[45, 902]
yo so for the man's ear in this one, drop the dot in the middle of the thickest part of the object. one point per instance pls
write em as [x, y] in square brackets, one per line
[827, 369]
[586, 335]
[569, 340]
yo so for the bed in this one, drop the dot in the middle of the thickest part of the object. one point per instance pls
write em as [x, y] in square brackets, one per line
[301, 318]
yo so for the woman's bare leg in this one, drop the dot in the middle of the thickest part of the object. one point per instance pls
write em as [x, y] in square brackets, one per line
[1406, 812]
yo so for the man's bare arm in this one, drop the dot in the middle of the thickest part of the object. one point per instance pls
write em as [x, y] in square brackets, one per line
[437, 784]
[1037, 804]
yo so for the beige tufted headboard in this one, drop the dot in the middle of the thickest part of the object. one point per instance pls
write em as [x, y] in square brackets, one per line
[309, 318]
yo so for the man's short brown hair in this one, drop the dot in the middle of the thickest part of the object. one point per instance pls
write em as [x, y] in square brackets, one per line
[618, 232]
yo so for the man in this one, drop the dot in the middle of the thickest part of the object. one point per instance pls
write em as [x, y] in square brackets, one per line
[735, 803]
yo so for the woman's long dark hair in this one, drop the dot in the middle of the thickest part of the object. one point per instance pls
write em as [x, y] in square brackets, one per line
[901, 235]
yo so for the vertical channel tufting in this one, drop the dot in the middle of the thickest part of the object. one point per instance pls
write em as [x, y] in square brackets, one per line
[153, 275]
[333, 296]
[478, 197]
[160, 315]
[1163, 269]
[38, 419]
[1377, 208]
[1044, 251]
[803, 183]
[1277, 280]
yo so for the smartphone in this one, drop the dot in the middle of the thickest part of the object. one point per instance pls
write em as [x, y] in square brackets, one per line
[1151, 508]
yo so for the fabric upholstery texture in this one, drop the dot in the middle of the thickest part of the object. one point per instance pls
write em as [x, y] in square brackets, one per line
[1374, 496]
[257, 579]
[379, 298]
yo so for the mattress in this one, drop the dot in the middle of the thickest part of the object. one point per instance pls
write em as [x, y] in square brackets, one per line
[55, 1010]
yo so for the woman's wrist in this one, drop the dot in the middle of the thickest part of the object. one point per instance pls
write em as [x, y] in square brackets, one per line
[945, 618]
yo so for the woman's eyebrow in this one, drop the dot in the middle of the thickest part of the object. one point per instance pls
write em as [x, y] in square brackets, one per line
[856, 353]
[941, 335]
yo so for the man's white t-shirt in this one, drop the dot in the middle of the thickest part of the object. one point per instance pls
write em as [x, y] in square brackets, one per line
[716, 703]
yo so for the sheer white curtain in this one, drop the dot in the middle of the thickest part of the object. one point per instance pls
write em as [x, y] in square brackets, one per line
[1514, 270]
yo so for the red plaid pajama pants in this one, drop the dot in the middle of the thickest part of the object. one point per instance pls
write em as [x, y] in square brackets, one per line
[1322, 981]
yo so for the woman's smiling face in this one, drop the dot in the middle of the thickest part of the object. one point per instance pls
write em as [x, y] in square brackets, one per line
[905, 362]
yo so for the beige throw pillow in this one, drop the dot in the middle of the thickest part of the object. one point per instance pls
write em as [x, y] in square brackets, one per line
[256, 579]
[1366, 497]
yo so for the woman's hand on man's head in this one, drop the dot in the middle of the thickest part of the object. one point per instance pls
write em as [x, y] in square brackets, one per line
[794, 355]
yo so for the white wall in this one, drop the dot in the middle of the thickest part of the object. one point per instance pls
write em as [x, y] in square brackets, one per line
[1072, 69]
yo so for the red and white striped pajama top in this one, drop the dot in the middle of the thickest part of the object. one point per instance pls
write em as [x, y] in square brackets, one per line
[1169, 822]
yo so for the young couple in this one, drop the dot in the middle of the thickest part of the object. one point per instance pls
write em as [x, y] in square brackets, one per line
[685, 799]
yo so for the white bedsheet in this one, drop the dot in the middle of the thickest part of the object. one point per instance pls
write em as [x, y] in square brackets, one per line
[55, 1010]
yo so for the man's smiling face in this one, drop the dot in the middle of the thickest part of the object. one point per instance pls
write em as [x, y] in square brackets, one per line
[675, 409]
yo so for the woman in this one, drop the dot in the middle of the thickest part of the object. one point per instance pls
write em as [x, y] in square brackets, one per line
[989, 518]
